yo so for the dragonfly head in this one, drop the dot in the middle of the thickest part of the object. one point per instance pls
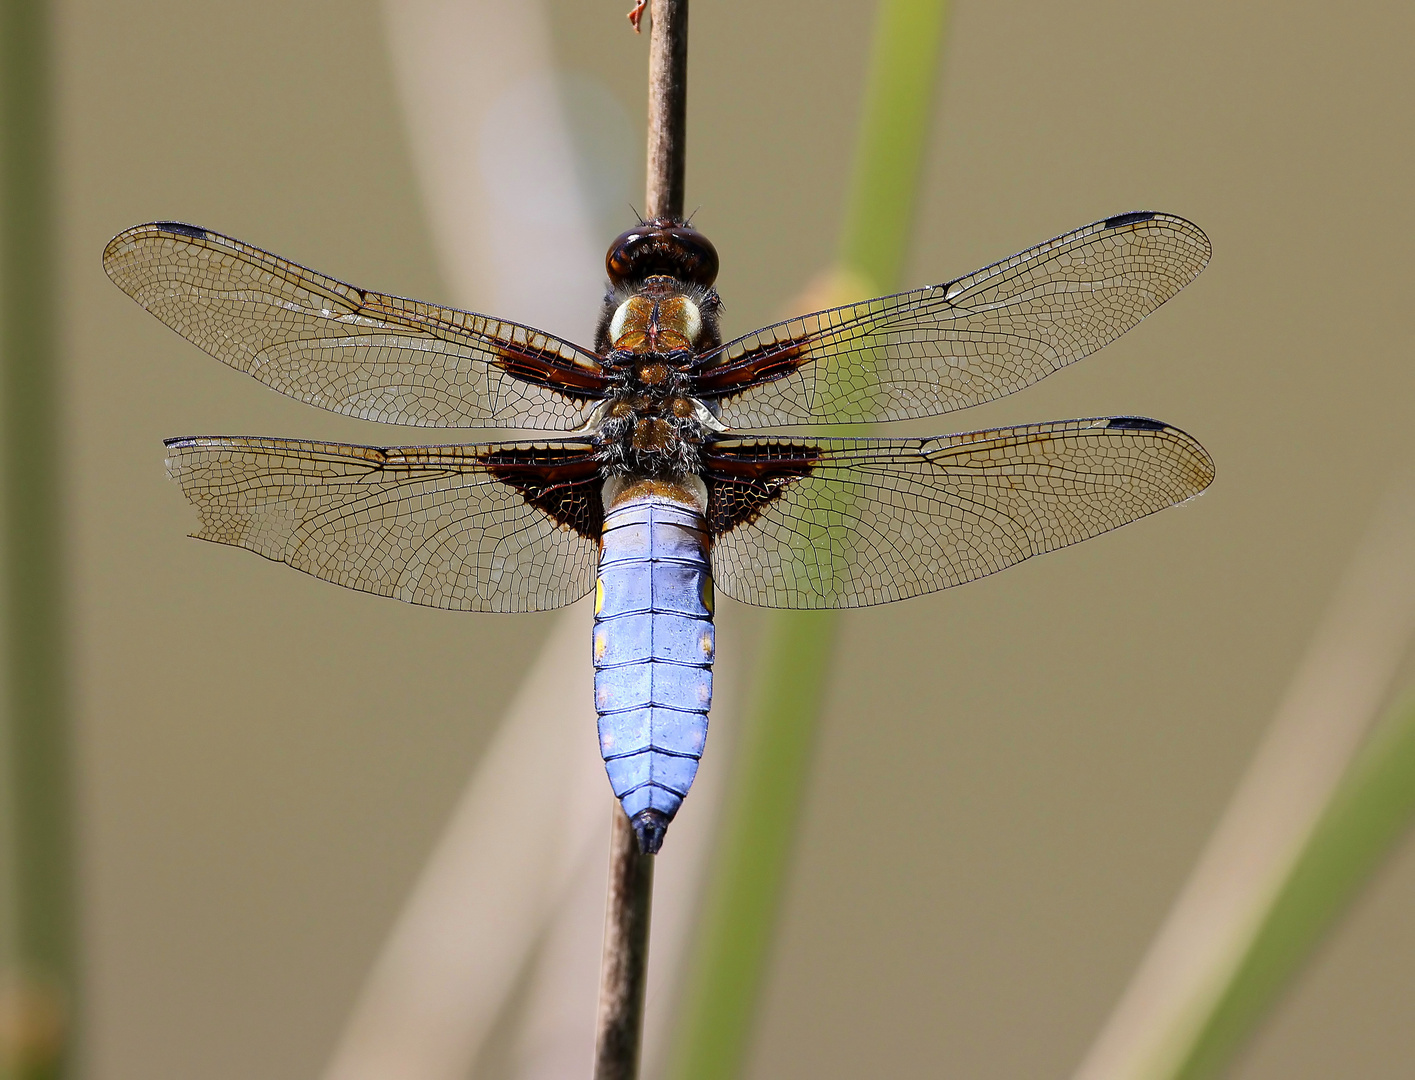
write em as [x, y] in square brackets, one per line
[660, 297]
[661, 246]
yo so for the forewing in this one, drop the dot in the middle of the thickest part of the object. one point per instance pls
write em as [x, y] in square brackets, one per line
[346, 349]
[946, 347]
[835, 523]
[471, 528]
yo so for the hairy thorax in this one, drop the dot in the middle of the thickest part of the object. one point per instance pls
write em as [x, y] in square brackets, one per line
[650, 426]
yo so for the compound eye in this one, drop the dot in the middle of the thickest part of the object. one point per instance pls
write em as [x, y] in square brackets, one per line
[661, 246]
[619, 261]
[696, 258]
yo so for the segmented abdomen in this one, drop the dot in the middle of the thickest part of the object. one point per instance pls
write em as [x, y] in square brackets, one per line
[653, 649]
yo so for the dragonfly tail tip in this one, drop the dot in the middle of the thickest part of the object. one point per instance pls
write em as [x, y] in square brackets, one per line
[649, 827]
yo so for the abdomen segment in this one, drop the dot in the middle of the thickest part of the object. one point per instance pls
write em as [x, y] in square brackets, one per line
[653, 650]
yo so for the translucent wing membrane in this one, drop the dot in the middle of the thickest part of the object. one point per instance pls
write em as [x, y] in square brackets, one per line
[810, 523]
[345, 349]
[946, 347]
[472, 528]
[851, 522]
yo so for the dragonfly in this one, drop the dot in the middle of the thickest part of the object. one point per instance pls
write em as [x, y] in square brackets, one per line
[647, 494]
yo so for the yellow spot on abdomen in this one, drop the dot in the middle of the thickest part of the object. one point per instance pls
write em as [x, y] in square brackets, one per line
[707, 593]
[598, 595]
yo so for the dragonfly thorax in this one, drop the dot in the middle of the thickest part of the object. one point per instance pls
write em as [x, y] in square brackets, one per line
[650, 427]
[660, 319]
[651, 336]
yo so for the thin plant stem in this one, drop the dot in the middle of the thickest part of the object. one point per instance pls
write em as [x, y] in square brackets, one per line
[624, 968]
[668, 108]
[770, 767]
[772, 761]
[893, 138]
[39, 993]
[1318, 804]
[1370, 811]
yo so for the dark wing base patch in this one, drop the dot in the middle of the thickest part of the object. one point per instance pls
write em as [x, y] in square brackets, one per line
[743, 480]
[767, 364]
[563, 483]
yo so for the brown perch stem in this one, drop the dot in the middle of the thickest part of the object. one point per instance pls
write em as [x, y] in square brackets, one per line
[624, 969]
[668, 107]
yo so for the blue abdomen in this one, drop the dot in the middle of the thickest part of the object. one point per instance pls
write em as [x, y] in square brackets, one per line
[653, 649]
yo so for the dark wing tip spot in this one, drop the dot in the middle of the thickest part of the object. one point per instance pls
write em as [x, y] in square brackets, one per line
[1129, 219]
[180, 229]
[1136, 423]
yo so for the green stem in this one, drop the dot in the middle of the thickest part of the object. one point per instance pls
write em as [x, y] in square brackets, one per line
[1371, 809]
[41, 991]
[772, 762]
[757, 832]
[894, 128]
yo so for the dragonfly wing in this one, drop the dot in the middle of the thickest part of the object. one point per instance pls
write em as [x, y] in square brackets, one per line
[346, 349]
[513, 527]
[835, 523]
[946, 347]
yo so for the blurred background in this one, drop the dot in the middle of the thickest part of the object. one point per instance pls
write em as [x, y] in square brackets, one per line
[1012, 780]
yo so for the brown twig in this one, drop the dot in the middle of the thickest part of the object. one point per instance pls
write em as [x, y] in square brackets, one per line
[668, 107]
[624, 970]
